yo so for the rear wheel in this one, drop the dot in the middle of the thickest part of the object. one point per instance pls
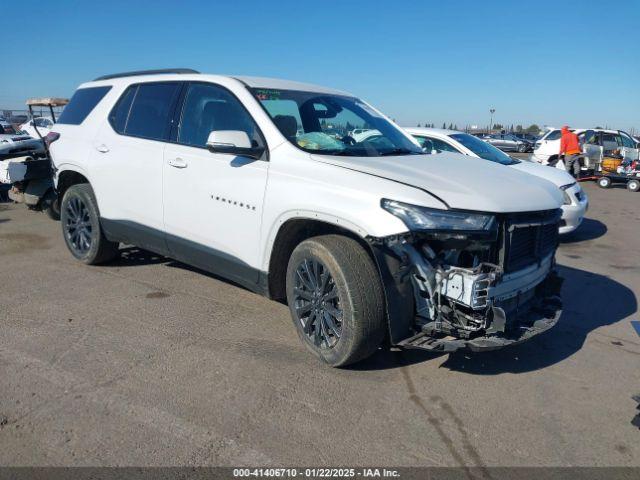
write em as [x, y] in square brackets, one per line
[81, 226]
[633, 185]
[604, 182]
[336, 299]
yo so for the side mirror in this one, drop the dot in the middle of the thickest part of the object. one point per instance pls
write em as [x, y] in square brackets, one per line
[233, 142]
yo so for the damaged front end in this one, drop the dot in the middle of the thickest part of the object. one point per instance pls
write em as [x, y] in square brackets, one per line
[479, 285]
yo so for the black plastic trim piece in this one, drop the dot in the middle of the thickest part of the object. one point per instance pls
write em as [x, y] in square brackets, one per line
[191, 253]
[147, 72]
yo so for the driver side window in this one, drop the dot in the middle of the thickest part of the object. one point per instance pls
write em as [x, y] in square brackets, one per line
[208, 107]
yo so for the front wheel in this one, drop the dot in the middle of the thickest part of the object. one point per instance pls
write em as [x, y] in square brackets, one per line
[81, 226]
[604, 182]
[336, 299]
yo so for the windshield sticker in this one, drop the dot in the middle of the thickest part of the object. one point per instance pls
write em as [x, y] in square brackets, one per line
[262, 94]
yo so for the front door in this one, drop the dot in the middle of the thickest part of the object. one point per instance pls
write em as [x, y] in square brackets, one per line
[213, 201]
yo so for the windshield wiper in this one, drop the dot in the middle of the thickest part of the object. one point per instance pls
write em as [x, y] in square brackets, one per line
[399, 151]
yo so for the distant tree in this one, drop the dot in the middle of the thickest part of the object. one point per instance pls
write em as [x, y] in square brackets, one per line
[444, 125]
[533, 129]
[498, 126]
[418, 125]
[519, 128]
[455, 127]
[511, 129]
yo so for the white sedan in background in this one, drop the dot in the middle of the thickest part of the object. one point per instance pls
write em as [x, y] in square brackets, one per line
[44, 125]
[435, 140]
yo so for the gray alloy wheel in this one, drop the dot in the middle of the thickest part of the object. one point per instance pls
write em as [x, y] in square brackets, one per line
[81, 229]
[317, 303]
[336, 299]
[77, 226]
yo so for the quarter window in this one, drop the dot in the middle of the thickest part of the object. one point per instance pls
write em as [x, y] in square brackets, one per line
[209, 107]
[81, 105]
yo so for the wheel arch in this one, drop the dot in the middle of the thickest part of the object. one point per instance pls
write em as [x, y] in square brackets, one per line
[294, 230]
[67, 176]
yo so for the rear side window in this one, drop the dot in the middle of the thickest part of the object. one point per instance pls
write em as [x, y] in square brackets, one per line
[145, 110]
[81, 105]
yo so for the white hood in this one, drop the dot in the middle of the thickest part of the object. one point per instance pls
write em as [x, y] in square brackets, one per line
[558, 177]
[460, 181]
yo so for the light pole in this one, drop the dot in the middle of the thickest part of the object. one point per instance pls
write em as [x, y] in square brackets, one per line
[492, 111]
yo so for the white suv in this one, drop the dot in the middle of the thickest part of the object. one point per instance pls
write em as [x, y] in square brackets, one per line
[249, 178]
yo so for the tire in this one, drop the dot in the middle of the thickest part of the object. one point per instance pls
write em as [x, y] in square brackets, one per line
[346, 323]
[51, 206]
[523, 149]
[81, 229]
[633, 185]
[604, 182]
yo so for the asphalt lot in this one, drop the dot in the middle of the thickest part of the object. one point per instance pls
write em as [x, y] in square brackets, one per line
[148, 362]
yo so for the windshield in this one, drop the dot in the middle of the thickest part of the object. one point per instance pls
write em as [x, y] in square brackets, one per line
[483, 149]
[333, 124]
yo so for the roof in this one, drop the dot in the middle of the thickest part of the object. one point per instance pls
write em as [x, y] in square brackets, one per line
[47, 102]
[279, 84]
[430, 131]
[185, 75]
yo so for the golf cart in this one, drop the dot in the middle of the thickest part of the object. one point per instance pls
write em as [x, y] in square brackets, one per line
[30, 173]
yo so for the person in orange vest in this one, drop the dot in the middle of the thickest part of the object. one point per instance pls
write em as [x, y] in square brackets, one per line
[570, 148]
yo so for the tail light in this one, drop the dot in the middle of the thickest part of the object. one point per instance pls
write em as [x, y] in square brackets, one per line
[50, 138]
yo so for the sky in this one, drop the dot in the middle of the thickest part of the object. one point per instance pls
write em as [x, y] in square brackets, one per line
[543, 62]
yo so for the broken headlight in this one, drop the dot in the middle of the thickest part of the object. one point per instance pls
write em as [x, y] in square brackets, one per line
[423, 218]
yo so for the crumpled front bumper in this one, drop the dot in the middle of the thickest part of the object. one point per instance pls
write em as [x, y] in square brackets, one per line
[511, 328]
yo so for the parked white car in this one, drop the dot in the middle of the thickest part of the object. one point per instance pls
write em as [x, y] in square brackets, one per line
[44, 125]
[364, 240]
[594, 143]
[575, 199]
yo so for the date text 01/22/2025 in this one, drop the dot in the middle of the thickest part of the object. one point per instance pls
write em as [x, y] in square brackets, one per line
[315, 472]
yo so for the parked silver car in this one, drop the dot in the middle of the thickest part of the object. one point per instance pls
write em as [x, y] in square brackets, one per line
[509, 142]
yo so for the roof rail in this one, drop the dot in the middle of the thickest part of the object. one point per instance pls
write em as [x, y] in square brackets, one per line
[146, 72]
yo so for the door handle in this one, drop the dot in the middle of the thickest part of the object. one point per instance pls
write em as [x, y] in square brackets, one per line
[102, 148]
[177, 163]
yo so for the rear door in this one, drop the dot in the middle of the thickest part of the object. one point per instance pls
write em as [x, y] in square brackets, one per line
[591, 147]
[128, 154]
[212, 201]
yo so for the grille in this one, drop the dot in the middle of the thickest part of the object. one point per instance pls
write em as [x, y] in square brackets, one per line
[529, 239]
